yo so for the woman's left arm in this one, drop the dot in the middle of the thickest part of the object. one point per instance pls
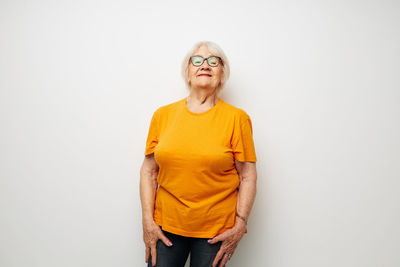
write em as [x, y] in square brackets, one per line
[247, 191]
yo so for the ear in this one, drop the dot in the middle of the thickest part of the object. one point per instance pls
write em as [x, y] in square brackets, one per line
[187, 76]
[222, 81]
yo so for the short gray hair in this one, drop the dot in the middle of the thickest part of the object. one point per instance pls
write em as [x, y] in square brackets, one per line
[216, 51]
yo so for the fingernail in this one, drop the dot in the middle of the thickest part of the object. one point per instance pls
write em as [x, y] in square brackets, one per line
[170, 244]
[209, 241]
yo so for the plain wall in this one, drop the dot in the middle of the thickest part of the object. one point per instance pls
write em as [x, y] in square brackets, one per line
[79, 81]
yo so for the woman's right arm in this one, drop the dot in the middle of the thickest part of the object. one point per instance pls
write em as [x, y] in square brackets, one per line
[148, 189]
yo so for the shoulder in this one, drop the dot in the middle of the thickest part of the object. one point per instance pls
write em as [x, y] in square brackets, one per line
[167, 108]
[238, 113]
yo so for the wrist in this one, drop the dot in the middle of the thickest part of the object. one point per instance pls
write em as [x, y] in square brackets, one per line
[148, 220]
[241, 218]
[240, 225]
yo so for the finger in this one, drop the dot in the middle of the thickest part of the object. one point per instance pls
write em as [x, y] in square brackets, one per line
[153, 255]
[146, 259]
[217, 238]
[224, 260]
[217, 257]
[165, 240]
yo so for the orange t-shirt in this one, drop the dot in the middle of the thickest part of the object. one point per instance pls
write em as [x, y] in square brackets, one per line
[198, 181]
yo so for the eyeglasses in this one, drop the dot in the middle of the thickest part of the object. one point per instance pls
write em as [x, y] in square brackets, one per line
[212, 61]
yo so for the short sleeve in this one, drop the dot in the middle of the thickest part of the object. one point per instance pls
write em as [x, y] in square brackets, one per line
[242, 140]
[153, 135]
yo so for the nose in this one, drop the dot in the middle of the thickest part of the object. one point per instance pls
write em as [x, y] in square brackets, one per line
[205, 65]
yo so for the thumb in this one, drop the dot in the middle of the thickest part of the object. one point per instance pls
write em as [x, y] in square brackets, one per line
[216, 239]
[165, 240]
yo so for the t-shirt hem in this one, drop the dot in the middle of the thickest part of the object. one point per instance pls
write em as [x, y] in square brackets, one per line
[149, 151]
[241, 158]
[181, 232]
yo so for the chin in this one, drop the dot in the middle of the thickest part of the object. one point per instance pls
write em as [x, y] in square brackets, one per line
[203, 85]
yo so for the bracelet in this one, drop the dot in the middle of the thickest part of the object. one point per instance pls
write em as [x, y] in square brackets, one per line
[242, 218]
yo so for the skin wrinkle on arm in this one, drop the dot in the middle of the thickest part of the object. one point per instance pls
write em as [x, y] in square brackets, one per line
[148, 186]
[247, 188]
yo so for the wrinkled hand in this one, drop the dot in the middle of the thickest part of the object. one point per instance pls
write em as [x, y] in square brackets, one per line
[230, 239]
[151, 234]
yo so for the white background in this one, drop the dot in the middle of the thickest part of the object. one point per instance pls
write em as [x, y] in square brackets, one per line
[80, 80]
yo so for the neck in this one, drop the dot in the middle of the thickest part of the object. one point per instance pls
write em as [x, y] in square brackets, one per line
[202, 97]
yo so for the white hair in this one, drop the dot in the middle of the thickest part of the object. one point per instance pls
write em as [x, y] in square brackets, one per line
[216, 51]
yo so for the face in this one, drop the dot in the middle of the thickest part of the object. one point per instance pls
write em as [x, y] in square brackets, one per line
[204, 76]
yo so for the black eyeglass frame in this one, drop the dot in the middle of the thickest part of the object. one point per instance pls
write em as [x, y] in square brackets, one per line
[219, 58]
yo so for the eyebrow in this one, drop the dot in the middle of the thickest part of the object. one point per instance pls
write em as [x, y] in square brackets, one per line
[204, 57]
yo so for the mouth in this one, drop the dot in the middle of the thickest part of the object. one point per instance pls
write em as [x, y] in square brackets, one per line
[207, 75]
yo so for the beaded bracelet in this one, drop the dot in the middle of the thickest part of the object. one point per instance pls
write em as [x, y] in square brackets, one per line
[242, 218]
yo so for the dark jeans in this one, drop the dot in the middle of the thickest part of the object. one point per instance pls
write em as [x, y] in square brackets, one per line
[202, 253]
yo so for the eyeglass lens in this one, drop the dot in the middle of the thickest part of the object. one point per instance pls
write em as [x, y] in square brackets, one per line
[198, 61]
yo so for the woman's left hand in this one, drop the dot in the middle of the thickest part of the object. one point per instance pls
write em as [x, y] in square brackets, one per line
[230, 239]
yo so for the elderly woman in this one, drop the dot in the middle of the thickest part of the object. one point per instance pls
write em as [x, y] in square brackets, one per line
[198, 178]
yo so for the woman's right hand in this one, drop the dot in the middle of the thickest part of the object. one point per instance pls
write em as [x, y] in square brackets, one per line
[151, 234]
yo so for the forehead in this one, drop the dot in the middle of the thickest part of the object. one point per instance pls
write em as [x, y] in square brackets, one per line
[203, 51]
